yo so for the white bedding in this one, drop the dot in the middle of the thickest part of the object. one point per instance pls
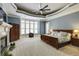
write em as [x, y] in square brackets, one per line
[63, 39]
[62, 36]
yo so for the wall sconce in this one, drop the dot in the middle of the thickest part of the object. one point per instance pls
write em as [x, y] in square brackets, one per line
[76, 33]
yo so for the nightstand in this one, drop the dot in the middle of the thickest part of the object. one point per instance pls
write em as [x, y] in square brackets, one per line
[75, 41]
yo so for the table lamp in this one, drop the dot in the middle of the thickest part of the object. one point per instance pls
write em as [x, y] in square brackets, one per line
[76, 33]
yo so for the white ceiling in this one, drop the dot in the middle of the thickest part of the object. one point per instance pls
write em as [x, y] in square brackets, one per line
[34, 7]
[8, 8]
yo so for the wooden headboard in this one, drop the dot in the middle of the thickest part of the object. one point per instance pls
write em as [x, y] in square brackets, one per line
[68, 31]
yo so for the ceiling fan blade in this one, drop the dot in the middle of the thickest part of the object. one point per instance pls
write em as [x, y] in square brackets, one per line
[44, 7]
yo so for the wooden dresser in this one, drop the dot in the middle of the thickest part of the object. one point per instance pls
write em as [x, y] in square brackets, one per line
[50, 40]
[14, 32]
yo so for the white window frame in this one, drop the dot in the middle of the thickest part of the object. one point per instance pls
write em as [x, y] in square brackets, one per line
[29, 27]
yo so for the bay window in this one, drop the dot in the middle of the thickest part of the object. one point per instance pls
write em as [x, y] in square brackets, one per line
[28, 27]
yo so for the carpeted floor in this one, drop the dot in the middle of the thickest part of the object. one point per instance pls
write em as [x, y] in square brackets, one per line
[36, 47]
[71, 50]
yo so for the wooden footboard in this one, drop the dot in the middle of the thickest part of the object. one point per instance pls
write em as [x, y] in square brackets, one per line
[50, 40]
[53, 41]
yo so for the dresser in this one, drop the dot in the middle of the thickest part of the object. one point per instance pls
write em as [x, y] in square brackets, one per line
[14, 32]
[75, 41]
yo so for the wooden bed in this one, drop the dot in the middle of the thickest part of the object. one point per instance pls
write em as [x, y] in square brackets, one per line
[54, 41]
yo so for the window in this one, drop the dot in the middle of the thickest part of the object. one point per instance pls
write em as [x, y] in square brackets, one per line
[47, 27]
[29, 27]
[27, 31]
[36, 31]
[36, 25]
[22, 31]
[27, 22]
[31, 22]
[22, 25]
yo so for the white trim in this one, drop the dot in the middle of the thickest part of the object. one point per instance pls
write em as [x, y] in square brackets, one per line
[68, 11]
[64, 8]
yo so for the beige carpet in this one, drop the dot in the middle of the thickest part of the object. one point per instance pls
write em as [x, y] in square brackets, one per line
[71, 50]
[36, 47]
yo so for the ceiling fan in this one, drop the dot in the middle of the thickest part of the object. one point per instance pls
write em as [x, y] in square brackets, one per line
[44, 9]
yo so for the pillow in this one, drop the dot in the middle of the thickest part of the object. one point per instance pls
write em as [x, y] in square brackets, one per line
[54, 34]
[63, 34]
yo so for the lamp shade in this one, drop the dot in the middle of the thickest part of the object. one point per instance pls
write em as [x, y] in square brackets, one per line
[50, 30]
[76, 31]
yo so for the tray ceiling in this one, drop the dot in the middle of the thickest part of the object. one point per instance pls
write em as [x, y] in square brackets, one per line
[33, 8]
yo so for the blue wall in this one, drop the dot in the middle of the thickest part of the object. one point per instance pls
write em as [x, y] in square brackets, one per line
[42, 27]
[66, 22]
[14, 20]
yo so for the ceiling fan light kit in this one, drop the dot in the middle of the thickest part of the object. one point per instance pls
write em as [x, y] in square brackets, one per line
[44, 9]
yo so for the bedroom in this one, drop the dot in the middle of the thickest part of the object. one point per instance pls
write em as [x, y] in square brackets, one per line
[37, 29]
